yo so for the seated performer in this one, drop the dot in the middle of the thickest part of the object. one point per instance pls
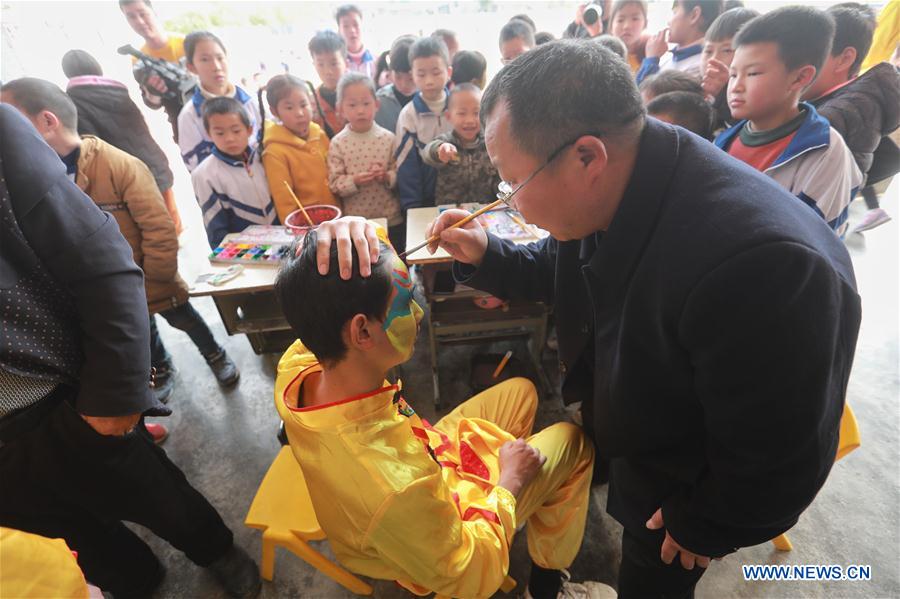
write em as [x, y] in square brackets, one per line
[433, 507]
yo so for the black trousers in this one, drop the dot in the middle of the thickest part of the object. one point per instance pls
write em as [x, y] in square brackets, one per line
[643, 575]
[63, 479]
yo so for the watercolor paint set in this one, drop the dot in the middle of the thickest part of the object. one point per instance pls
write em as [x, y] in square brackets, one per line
[257, 244]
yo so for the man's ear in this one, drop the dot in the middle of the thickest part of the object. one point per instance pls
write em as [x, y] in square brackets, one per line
[592, 154]
[804, 76]
[360, 333]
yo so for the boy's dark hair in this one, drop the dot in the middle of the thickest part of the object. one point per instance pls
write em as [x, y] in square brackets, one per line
[34, 95]
[854, 26]
[727, 24]
[687, 110]
[613, 43]
[803, 35]
[543, 37]
[224, 105]
[732, 4]
[620, 4]
[318, 306]
[76, 63]
[461, 88]
[346, 9]
[525, 19]
[426, 47]
[326, 42]
[518, 29]
[399, 57]
[593, 93]
[468, 66]
[195, 37]
[709, 10]
[353, 78]
[124, 3]
[670, 80]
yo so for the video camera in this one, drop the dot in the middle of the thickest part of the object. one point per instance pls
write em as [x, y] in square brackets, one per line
[179, 82]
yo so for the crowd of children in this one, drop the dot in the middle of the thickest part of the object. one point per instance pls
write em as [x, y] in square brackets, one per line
[786, 92]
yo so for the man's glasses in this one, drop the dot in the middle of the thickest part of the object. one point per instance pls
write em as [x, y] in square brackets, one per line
[505, 190]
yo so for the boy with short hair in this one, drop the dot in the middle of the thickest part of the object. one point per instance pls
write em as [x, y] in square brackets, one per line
[684, 109]
[397, 94]
[421, 121]
[441, 503]
[716, 58]
[516, 38]
[865, 108]
[689, 21]
[776, 57]
[349, 21]
[231, 185]
[469, 66]
[465, 171]
[668, 81]
[329, 54]
[122, 185]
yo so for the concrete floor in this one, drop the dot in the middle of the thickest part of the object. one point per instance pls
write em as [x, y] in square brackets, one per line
[224, 442]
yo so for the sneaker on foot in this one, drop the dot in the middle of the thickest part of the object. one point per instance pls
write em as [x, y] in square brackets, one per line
[224, 368]
[872, 219]
[157, 431]
[237, 573]
[580, 590]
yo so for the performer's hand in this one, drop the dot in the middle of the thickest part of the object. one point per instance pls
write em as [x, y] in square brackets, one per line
[715, 78]
[670, 546]
[657, 44]
[467, 243]
[519, 464]
[352, 233]
[112, 425]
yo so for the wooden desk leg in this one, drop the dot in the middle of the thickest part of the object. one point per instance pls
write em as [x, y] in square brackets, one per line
[432, 346]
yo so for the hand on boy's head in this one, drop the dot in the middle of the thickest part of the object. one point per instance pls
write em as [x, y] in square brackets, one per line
[351, 233]
[657, 44]
[447, 152]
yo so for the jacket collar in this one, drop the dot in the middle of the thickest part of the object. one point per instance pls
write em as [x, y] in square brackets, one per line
[250, 153]
[619, 248]
[422, 108]
[198, 99]
[93, 80]
[815, 132]
[679, 54]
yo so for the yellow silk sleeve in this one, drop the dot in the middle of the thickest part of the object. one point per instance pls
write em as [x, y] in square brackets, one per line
[459, 552]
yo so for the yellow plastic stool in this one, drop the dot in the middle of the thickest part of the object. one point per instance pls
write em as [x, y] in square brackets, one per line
[848, 440]
[283, 510]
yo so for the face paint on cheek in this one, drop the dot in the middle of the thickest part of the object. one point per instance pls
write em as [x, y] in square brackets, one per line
[404, 314]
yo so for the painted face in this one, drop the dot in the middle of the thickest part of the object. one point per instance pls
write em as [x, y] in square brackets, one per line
[402, 321]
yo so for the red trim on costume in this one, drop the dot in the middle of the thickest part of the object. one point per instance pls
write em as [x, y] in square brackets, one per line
[445, 440]
[421, 434]
[330, 404]
[447, 464]
[471, 463]
[456, 501]
[488, 515]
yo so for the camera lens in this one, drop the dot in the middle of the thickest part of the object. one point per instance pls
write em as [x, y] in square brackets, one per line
[591, 14]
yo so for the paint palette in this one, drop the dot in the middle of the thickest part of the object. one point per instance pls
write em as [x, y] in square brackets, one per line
[257, 244]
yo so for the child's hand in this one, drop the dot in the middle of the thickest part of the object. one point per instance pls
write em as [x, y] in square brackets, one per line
[657, 44]
[447, 152]
[715, 78]
[363, 178]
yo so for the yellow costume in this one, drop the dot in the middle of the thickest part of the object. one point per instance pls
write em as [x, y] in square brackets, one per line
[172, 51]
[401, 499]
[886, 37]
[35, 566]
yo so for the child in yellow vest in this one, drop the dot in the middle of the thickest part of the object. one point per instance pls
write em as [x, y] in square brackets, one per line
[433, 507]
[295, 149]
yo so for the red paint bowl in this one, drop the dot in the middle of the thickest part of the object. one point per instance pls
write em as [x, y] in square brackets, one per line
[318, 213]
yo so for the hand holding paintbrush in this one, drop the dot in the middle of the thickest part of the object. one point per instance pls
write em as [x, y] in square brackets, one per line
[457, 220]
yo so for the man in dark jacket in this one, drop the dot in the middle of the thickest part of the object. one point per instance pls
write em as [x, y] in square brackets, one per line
[75, 459]
[707, 319]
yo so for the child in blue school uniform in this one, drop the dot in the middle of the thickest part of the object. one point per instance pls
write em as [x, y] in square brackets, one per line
[231, 185]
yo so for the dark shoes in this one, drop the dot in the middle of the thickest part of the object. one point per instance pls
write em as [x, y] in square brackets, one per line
[224, 368]
[164, 382]
[237, 573]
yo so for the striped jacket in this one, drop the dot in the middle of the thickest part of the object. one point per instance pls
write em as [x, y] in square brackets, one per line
[816, 167]
[416, 126]
[233, 194]
[193, 140]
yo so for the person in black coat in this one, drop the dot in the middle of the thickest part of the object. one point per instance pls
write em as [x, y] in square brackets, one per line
[75, 459]
[707, 319]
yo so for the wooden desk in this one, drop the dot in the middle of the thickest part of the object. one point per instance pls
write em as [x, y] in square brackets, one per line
[452, 316]
[247, 303]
